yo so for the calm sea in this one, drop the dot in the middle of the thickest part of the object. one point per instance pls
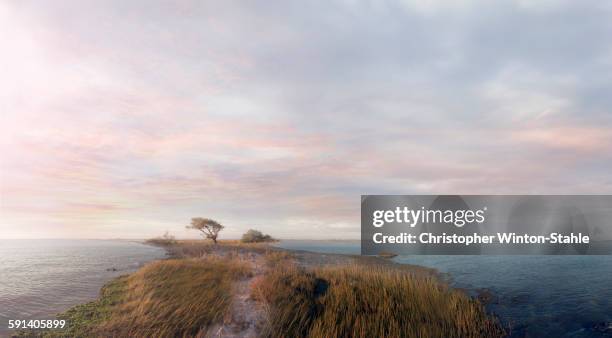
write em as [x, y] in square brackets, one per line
[39, 278]
[537, 296]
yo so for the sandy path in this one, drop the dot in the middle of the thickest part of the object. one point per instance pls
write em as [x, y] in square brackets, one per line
[246, 314]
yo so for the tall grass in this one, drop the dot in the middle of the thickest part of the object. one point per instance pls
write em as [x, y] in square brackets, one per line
[165, 240]
[358, 301]
[168, 298]
[185, 297]
[200, 248]
[176, 298]
[278, 258]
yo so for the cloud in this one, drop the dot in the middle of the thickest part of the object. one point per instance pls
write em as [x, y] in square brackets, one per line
[126, 119]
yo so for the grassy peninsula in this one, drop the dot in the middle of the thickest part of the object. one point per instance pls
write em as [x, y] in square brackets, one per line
[254, 290]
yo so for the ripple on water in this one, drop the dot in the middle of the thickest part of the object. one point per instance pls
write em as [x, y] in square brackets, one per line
[39, 278]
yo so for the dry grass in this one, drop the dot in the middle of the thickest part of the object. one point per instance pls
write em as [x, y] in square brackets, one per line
[358, 301]
[202, 248]
[176, 298]
[184, 297]
[276, 258]
[159, 241]
[164, 240]
[168, 298]
[190, 250]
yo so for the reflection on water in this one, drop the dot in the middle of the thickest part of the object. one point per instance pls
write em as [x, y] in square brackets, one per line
[538, 296]
[39, 278]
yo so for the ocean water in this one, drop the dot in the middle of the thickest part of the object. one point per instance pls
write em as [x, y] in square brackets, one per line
[333, 247]
[40, 278]
[536, 296]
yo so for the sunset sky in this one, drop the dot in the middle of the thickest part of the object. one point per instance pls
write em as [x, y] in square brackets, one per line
[123, 119]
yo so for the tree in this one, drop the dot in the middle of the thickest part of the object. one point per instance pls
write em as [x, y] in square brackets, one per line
[209, 227]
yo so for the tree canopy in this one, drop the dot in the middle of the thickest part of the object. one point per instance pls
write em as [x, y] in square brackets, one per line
[209, 227]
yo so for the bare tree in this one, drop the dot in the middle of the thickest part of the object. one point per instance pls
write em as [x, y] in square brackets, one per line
[209, 227]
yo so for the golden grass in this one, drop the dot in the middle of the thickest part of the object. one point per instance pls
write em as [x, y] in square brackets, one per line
[358, 301]
[160, 241]
[275, 258]
[221, 242]
[202, 248]
[168, 298]
[164, 240]
[179, 298]
[184, 297]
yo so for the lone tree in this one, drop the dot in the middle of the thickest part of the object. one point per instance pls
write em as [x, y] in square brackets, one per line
[209, 227]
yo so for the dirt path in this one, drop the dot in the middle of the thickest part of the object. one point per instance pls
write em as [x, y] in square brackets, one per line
[246, 314]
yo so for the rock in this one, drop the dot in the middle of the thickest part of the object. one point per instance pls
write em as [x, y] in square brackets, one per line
[486, 296]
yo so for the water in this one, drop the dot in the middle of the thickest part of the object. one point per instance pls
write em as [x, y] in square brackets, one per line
[538, 296]
[40, 278]
[332, 247]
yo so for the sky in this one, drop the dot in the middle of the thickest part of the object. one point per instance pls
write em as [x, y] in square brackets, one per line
[124, 119]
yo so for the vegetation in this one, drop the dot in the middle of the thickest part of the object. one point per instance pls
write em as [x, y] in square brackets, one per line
[188, 294]
[199, 248]
[386, 254]
[278, 258]
[165, 240]
[256, 236]
[168, 298]
[357, 301]
[209, 227]
[82, 319]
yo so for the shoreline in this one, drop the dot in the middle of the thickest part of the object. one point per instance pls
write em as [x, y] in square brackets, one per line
[45, 277]
[247, 313]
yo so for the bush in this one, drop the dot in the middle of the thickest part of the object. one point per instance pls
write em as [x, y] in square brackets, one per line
[164, 240]
[255, 236]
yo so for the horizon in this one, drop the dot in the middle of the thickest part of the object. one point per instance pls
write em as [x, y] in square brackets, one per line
[180, 239]
[128, 119]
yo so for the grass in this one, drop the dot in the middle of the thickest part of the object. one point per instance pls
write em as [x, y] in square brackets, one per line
[202, 248]
[159, 241]
[168, 298]
[278, 258]
[164, 240]
[357, 301]
[82, 319]
[186, 295]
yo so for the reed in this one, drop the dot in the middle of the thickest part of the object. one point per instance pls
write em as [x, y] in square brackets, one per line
[184, 297]
[167, 298]
[366, 301]
[201, 248]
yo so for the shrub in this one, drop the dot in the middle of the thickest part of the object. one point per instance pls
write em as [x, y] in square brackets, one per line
[255, 236]
[164, 240]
